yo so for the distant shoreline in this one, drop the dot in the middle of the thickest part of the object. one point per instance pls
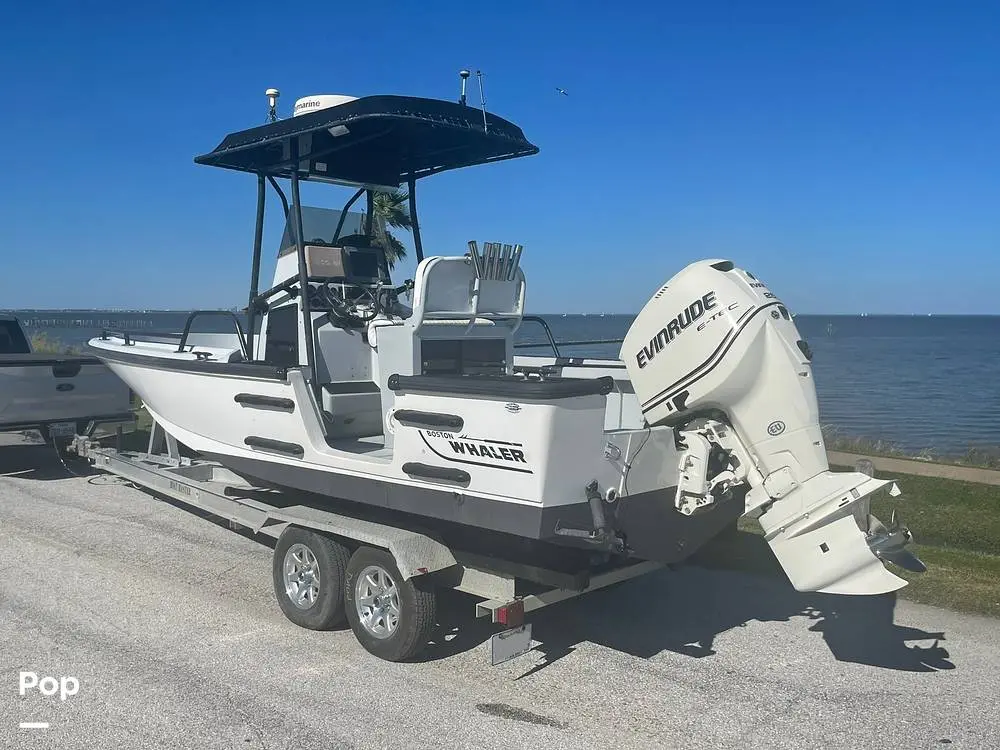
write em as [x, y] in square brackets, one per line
[181, 311]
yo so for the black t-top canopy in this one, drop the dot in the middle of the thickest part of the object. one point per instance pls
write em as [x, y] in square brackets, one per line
[374, 140]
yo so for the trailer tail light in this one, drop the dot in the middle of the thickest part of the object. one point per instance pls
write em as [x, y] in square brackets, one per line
[510, 614]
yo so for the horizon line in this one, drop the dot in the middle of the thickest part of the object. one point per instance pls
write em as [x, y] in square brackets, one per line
[549, 313]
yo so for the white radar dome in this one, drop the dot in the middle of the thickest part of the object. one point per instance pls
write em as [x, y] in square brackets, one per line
[320, 101]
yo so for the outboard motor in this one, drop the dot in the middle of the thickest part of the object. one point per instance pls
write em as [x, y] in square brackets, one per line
[716, 355]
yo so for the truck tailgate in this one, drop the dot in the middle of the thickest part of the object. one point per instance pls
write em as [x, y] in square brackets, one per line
[40, 388]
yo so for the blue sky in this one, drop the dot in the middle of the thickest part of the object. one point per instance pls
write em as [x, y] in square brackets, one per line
[847, 153]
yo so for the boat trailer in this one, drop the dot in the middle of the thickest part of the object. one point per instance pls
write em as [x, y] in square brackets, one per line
[384, 576]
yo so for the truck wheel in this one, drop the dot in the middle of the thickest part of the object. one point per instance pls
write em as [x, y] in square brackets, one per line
[392, 618]
[308, 571]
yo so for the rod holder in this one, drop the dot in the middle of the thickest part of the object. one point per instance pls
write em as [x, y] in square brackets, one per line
[498, 261]
[474, 255]
[515, 260]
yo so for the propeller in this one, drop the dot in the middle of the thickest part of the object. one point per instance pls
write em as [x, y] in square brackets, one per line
[889, 543]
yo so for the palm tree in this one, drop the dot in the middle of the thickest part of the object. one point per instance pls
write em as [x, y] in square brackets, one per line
[391, 209]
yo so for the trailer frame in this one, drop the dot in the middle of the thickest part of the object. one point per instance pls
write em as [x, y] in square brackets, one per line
[205, 485]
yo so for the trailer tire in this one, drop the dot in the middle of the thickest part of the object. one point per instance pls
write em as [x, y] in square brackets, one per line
[314, 566]
[393, 619]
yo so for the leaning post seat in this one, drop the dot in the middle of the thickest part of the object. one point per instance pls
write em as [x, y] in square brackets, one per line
[466, 311]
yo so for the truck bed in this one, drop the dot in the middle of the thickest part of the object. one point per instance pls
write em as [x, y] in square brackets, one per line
[38, 390]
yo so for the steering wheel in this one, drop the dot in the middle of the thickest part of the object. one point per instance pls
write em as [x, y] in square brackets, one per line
[345, 310]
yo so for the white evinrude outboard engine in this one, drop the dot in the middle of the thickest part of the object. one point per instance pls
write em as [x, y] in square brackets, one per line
[716, 355]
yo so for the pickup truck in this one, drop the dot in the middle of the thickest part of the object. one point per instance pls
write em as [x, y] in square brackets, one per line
[60, 395]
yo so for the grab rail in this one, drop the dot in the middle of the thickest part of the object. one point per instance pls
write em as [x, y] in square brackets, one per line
[240, 335]
[535, 345]
[129, 341]
[553, 344]
[131, 338]
[260, 302]
[548, 334]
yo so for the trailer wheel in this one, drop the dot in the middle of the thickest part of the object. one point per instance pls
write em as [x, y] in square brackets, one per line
[308, 571]
[392, 618]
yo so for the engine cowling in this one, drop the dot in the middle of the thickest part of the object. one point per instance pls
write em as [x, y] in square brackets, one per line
[714, 337]
[714, 346]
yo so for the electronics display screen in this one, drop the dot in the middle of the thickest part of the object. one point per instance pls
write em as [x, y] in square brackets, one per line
[362, 264]
[351, 265]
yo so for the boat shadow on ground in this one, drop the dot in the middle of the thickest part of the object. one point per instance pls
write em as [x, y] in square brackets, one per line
[684, 610]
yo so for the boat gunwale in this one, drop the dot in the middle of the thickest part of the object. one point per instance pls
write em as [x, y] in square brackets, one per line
[242, 369]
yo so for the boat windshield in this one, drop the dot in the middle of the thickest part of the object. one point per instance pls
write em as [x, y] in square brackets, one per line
[319, 226]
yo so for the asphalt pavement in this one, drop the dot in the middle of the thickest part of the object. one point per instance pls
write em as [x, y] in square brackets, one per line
[168, 624]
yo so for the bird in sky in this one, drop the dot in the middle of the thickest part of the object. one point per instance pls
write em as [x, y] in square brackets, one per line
[562, 91]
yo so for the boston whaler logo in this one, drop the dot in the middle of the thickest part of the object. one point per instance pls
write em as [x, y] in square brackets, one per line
[488, 449]
[675, 327]
[501, 454]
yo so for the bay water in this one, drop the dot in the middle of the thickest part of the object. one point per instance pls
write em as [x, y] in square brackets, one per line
[919, 383]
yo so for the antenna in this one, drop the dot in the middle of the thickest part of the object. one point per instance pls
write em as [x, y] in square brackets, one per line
[465, 77]
[272, 102]
[482, 99]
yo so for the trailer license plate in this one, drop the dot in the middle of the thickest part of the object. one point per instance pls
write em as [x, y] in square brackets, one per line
[509, 644]
[62, 429]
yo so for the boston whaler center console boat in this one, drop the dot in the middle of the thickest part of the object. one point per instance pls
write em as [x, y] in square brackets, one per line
[423, 411]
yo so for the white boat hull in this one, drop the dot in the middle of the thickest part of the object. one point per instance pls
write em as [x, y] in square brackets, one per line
[526, 476]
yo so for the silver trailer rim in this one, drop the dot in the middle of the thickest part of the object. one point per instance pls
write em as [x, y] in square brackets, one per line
[376, 598]
[301, 576]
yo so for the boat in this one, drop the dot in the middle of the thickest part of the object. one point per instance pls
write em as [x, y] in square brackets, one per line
[337, 390]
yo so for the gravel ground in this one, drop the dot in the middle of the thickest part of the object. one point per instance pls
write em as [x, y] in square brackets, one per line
[169, 623]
